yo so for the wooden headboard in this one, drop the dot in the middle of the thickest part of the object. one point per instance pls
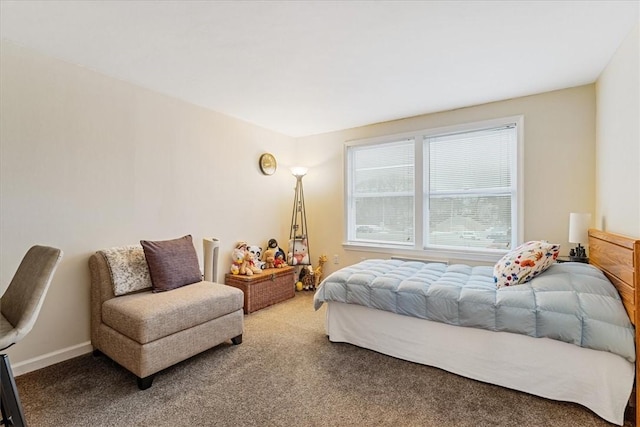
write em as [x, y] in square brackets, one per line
[619, 258]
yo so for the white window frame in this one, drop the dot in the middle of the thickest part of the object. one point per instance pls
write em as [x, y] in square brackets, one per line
[418, 249]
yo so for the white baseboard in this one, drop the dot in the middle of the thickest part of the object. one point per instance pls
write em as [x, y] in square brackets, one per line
[52, 358]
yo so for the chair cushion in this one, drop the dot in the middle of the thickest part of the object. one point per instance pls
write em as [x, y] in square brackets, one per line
[147, 316]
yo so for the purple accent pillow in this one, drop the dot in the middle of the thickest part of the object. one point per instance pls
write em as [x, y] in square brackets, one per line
[172, 263]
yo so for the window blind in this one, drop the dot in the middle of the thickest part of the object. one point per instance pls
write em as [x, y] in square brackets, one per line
[383, 192]
[471, 188]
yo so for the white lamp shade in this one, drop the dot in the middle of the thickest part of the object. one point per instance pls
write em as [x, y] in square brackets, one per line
[299, 171]
[579, 227]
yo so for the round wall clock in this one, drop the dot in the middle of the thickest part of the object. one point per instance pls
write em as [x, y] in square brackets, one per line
[268, 164]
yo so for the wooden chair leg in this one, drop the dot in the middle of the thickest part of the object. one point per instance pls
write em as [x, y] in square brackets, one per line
[237, 340]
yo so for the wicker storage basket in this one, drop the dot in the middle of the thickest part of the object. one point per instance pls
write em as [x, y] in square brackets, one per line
[261, 290]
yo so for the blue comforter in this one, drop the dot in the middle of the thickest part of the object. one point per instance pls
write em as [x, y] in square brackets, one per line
[570, 302]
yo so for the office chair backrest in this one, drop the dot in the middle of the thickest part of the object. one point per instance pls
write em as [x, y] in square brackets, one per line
[23, 299]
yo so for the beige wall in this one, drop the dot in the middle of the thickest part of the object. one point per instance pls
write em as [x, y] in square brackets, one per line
[89, 162]
[618, 141]
[559, 168]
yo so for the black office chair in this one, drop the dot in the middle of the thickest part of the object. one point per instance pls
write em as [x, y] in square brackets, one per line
[19, 308]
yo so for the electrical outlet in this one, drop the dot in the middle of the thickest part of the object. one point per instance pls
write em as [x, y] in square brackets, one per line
[336, 259]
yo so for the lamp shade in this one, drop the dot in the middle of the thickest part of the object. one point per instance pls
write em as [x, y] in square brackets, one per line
[579, 227]
[299, 171]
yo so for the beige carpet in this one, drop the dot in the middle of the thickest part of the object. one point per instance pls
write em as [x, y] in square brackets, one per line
[285, 373]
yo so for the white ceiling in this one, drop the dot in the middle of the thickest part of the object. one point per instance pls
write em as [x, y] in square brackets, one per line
[308, 67]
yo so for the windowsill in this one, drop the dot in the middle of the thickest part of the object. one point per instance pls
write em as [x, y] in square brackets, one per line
[452, 256]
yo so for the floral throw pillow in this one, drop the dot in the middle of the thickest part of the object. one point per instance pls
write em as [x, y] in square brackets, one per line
[524, 263]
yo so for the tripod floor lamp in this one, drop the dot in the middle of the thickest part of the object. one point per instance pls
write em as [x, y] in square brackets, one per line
[298, 239]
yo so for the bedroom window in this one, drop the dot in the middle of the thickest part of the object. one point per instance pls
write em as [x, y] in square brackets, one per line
[449, 191]
[382, 188]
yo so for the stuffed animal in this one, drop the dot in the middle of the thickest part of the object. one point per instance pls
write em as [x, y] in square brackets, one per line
[273, 244]
[318, 271]
[279, 261]
[298, 252]
[243, 260]
[237, 259]
[306, 277]
[269, 258]
[256, 251]
[249, 265]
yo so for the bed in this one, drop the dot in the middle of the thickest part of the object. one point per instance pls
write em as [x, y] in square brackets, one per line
[598, 379]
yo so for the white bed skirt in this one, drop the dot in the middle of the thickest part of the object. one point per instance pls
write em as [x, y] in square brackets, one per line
[599, 380]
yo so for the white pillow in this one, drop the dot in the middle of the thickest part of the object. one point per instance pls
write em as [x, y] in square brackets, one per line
[524, 263]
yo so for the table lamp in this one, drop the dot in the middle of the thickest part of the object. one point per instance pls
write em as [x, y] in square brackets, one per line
[579, 233]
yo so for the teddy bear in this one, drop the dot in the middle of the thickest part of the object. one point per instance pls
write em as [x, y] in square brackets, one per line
[242, 260]
[269, 258]
[248, 267]
[256, 251]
